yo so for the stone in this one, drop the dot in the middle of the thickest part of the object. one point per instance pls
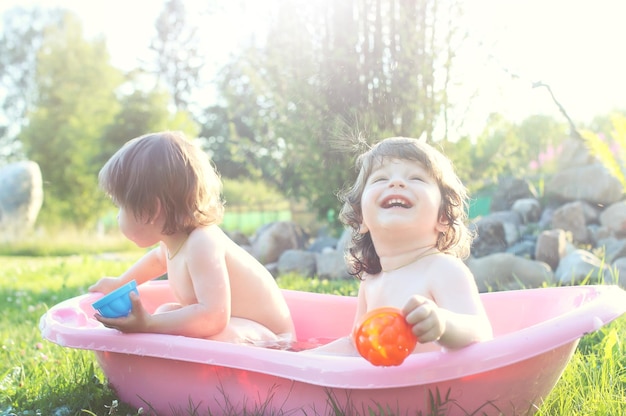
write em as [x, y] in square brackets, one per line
[490, 237]
[510, 190]
[297, 261]
[505, 271]
[551, 247]
[523, 248]
[511, 221]
[274, 238]
[580, 266]
[574, 184]
[322, 243]
[613, 249]
[571, 217]
[574, 153]
[21, 197]
[332, 265]
[529, 209]
[614, 218]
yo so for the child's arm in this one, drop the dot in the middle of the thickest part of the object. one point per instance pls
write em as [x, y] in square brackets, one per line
[456, 318]
[205, 311]
[189, 320]
[149, 266]
[432, 323]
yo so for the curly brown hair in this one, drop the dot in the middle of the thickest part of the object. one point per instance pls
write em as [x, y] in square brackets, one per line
[169, 168]
[456, 240]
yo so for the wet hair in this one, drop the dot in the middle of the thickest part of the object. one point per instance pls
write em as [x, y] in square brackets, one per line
[457, 239]
[168, 168]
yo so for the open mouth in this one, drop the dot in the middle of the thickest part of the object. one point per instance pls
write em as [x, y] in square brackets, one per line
[396, 202]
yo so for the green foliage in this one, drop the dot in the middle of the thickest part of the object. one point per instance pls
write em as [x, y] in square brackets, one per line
[77, 120]
[298, 105]
[215, 139]
[178, 59]
[603, 125]
[496, 149]
[293, 110]
[36, 375]
[142, 112]
[20, 41]
[594, 383]
[506, 149]
[75, 103]
[602, 149]
[251, 204]
[460, 153]
[540, 132]
[251, 193]
[316, 285]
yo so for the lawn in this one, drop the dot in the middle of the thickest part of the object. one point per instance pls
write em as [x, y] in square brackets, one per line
[40, 378]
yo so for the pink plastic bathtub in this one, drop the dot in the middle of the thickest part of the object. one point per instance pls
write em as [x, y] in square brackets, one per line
[536, 333]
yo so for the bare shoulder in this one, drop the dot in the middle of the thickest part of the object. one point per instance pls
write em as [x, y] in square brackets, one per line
[449, 261]
[452, 269]
[454, 287]
[370, 281]
[211, 235]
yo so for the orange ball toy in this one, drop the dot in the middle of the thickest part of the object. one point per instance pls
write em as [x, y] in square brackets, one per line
[383, 337]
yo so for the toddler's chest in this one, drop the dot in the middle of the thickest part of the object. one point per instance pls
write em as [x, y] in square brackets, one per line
[180, 283]
[383, 291]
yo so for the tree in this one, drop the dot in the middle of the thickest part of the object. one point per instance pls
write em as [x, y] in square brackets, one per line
[214, 136]
[610, 151]
[75, 103]
[604, 125]
[20, 42]
[142, 112]
[178, 58]
[497, 151]
[332, 75]
[543, 136]
[507, 149]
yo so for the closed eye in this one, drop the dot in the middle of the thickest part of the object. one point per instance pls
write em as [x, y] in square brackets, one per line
[376, 179]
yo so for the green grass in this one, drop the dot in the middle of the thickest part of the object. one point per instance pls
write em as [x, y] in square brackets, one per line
[67, 242]
[594, 383]
[38, 377]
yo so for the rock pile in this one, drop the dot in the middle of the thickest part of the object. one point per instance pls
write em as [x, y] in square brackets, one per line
[574, 233]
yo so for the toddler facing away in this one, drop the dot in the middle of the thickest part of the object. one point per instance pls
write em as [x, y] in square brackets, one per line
[168, 193]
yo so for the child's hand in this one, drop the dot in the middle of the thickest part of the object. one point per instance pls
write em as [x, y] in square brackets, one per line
[383, 337]
[106, 285]
[136, 321]
[426, 319]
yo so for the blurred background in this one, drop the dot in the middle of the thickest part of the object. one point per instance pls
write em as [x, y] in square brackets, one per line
[283, 93]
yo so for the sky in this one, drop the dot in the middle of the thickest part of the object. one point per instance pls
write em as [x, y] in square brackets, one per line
[575, 46]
